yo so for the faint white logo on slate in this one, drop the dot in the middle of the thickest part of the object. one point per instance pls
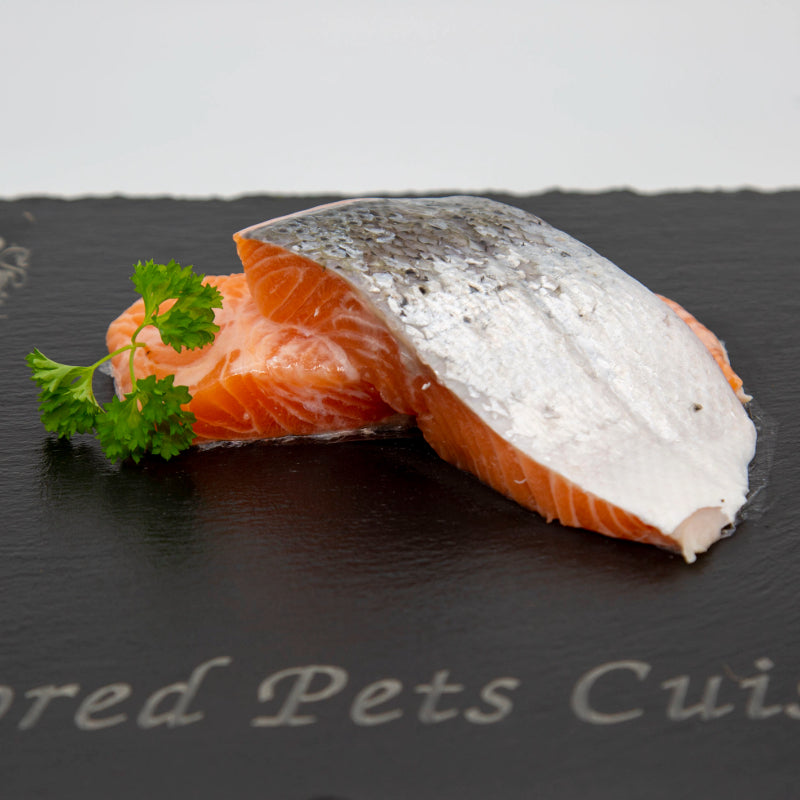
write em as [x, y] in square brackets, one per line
[14, 262]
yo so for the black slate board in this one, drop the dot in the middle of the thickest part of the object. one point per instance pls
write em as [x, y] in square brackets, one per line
[185, 588]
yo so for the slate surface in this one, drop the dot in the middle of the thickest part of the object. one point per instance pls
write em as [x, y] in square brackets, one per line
[164, 628]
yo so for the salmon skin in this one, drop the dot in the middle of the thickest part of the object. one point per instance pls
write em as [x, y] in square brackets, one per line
[525, 357]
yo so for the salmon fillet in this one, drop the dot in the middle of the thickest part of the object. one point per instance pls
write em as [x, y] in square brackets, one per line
[258, 379]
[525, 357]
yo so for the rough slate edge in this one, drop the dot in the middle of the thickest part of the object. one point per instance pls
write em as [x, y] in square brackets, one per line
[543, 615]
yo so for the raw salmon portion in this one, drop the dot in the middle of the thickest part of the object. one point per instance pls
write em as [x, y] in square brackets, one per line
[258, 379]
[526, 358]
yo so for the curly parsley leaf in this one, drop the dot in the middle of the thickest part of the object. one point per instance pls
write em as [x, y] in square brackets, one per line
[67, 404]
[152, 417]
[189, 320]
[149, 419]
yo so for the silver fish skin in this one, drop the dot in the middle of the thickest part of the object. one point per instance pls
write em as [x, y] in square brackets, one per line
[556, 349]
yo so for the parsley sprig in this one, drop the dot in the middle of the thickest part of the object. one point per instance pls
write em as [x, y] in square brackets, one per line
[152, 417]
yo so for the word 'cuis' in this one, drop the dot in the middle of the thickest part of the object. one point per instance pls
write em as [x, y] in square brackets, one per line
[718, 697]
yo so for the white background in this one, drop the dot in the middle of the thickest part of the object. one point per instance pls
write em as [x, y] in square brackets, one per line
[199, 98]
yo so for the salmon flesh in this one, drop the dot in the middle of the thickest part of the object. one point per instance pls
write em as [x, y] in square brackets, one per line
[258, 379]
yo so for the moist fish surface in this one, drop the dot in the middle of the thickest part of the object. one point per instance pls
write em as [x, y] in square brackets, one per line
[525, 357]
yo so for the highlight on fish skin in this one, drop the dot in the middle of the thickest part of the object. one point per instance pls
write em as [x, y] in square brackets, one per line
[522, 355]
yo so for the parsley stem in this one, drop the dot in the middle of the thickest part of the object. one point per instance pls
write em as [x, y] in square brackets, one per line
[149, 319]
[132, 347]
[117, 352]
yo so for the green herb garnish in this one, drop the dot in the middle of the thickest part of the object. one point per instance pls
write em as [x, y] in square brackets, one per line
[151, 418]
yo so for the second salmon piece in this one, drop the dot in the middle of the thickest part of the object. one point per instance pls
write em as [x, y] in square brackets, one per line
[257, 379]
